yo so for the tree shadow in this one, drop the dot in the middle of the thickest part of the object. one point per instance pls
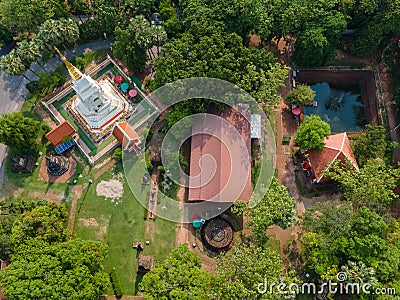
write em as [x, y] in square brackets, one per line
[139, 278]
[83, 198]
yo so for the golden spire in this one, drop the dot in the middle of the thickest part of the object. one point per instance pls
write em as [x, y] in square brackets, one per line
[74, 72]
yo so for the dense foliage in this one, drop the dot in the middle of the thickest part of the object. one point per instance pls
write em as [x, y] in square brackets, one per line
[372, 144]
[44, 264]
[19, 132]
[312, 132]
[179, 277]
[372, 186]
[301, 95]
[238, 273]
[338, 237]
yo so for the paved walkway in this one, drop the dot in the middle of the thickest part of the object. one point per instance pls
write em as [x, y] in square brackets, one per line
[13, 91]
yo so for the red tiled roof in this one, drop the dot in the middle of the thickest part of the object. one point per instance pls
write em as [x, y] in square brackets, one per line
[337, 147]
[124, 133]
[222, 175]
[56, 135]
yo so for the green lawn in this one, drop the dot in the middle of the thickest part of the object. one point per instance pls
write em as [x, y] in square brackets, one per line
[119, 226]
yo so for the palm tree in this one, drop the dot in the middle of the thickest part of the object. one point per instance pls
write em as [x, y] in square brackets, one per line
[28, 52]
[13, 65]
[159, 37]
[49, 35]
[70, 29]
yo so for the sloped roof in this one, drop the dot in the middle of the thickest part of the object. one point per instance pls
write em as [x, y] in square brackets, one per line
[124, 133]
[337, 147]
[214, 179]
[56, 135]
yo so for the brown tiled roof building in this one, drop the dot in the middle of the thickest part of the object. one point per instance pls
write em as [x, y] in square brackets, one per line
[56, 135]
[220, 161]
[337, 147]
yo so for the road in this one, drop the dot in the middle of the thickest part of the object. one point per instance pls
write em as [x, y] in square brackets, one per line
[13, 91]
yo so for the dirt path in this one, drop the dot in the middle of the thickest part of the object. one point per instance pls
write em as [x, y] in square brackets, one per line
[104, 169]
[77, 190]
[182, 230]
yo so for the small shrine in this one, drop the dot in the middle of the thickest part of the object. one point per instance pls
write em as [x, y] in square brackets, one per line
[57, 165]
[23, 163]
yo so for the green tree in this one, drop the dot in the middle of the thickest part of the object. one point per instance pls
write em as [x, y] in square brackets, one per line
[69, 270]
[239, 16]
[312, 132]
[371, 186]
[335, 234]
[310, 48]
[127, 48]
[372, 144]
[243, 267]
[27, 15]
[276, 207]
[179, 277]
[43, 223]
[12, 64]
[56, 32]
[224, 57]
[302, 95]
[19, 132]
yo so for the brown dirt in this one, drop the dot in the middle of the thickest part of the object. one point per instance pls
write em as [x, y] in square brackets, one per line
[45, 116]
[89, 222]
[104, 169]
[41, 195]
[98, 166]
[113, 189]
[45, 176]
[77, 191]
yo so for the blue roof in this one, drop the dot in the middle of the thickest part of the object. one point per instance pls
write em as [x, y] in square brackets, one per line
[64, 146]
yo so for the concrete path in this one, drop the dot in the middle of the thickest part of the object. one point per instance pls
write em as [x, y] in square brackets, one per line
[13, 91]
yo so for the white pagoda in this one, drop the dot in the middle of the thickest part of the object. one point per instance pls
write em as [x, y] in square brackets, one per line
[97, 104]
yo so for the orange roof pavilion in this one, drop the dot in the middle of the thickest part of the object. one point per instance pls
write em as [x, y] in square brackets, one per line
[56, 135]
[125, 134]
[337, 147]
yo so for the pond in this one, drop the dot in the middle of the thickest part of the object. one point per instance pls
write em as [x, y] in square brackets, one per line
[342, 107]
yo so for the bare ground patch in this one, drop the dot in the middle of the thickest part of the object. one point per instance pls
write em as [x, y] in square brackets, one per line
[112, 189]
[89, 222]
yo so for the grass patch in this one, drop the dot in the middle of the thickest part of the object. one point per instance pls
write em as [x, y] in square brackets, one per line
[272, 121]
[104, 144]
[119, 226]
[274, 244]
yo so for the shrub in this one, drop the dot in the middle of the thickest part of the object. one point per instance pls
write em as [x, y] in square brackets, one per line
[117, 153]
[115, 283]
[32, 86]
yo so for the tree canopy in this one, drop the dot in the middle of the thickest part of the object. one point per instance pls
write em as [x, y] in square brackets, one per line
[312, 132]
[72, 270]
[224, 57]
[337, 236]
[44, 265]
[371, 186]
[276, 207]
[19, 132]
[179, 277]
[302, 94]
[372, 144]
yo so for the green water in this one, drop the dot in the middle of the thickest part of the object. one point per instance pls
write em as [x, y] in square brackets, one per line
[342, 108]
